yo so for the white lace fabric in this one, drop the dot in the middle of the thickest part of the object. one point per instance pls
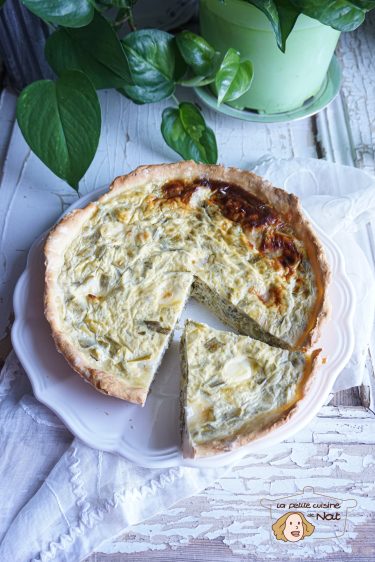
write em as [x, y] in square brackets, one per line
[59, 498]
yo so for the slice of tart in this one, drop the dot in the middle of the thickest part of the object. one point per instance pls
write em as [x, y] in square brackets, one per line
[235, 388]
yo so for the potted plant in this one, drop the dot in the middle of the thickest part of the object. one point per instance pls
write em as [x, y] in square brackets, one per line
[290, 43]
[88, 49]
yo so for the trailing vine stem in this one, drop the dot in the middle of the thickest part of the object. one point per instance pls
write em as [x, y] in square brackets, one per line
[125, 15]
[131, 20]
[174, 98]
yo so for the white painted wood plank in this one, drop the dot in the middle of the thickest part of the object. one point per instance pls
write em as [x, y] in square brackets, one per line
[229, 513]
[358, 94]
[346, 131]
[7, 116]
[356, 52]
[345, 412]
[347, 127]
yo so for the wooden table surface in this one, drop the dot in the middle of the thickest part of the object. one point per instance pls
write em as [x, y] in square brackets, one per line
[335, 454]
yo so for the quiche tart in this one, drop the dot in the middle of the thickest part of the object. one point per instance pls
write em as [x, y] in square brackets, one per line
[119, 271]
[234, 388]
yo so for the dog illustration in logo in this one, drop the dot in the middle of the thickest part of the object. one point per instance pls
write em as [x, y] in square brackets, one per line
[292, 527]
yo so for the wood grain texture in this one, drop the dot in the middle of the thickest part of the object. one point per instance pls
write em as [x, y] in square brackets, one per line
[335, 455]
[356, 54]
[346, 134]
[358, 95]
[7, 115]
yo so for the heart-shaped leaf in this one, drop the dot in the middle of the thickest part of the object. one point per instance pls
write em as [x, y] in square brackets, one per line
[71, 13]
[198, 53]
[185, 131]
[344, 15]
[288, 15]
[269, 8]
[282, 15]
[339, 14]
[94, 49]
[234, 77]
[151, 55]
[61, 123]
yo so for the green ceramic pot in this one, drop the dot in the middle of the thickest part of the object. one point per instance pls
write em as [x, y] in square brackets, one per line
[282, 81]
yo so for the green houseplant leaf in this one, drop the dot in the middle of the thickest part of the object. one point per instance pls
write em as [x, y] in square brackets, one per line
[146, 94]
[71, 13]
[269, 8]
[197, 53]
[288, 15]
[234, 77]
[151, 55]
[185, 131]
[364, 4]
[339, 14]
[282, 15]
[344, 15]
[61, 123]
[94, 49]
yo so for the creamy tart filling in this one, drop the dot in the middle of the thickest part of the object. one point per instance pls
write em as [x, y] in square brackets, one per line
[119, 272]
[234, 386]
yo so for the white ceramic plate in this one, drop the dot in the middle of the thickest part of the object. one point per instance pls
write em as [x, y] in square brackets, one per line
[149, 436]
